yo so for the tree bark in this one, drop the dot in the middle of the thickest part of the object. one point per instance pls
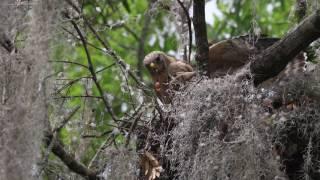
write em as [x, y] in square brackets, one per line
[200, 29]
[275, 58]
[5, 41]
[22, 105]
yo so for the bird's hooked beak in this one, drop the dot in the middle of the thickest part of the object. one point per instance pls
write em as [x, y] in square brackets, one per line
[154, 67]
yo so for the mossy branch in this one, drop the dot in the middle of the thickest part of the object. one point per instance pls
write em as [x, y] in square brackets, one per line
[274, 59]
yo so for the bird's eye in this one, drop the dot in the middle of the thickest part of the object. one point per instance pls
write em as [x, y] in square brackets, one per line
[158, 59]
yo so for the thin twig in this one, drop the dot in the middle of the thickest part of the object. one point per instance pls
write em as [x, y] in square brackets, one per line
[93, 73]
[72, 62]
[70, 83]
[109, 51]
[80, 96]
[107, 67]
[131, 32]
[101, 148]
[132, 127]
[96, 136]
[66, 119]
[76, 37]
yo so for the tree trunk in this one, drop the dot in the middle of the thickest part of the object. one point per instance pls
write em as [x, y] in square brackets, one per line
[22, 101]
[200, 29]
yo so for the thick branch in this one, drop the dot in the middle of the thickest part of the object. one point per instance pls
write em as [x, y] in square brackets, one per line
[55, 145]
[274, 59]
[202, 47]
[69, 160]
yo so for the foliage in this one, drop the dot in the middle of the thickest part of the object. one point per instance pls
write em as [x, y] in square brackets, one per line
[272, 18]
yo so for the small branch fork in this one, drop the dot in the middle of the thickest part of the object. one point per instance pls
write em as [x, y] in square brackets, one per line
[55, 145]
[68, 159]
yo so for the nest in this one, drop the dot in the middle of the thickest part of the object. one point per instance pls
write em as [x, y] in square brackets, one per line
[225, 129]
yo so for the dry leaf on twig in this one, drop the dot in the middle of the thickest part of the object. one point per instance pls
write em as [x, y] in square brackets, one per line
[150, 166]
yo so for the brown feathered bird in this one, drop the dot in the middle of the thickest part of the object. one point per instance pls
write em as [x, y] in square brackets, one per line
[225, 57]
[165, 69]
[228, 56]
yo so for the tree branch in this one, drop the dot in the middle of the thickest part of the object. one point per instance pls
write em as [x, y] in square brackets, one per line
[68, 159]
[142, 40]
[93, 73]
[66, 119]
[274, 59]
[55, 145]
[200, 29]
[185, 10]
[71, 62]
[109, 51]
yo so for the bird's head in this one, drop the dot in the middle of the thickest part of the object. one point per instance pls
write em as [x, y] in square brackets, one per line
[156, 62]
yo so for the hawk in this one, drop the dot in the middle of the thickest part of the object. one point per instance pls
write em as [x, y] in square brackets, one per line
[165, 69]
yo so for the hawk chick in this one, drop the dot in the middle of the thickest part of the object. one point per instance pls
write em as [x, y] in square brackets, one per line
[165, 69]
[228, 56]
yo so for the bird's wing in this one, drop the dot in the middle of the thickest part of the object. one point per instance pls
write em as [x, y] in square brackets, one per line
[178, 66]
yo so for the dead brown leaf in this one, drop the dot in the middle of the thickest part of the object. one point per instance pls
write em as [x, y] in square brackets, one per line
[150, 166]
